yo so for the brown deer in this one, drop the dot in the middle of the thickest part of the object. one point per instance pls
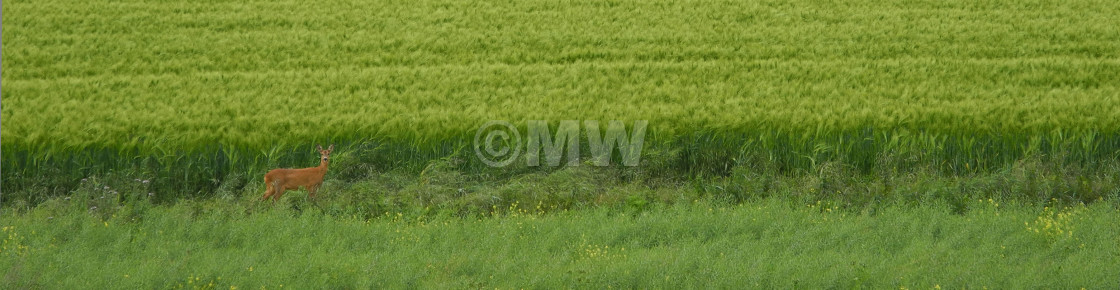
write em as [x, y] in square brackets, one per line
[278, 180]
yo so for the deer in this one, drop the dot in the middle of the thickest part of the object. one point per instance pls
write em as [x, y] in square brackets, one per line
[281, 179]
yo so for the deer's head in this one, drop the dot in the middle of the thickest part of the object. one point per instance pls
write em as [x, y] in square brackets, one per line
[325, 154]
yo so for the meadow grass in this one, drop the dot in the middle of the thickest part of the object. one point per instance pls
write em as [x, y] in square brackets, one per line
[574, 228]
[770, 243]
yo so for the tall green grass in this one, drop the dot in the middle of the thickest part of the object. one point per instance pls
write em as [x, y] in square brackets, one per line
[191, 93]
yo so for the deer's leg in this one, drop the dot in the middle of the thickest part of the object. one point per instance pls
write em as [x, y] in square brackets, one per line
[279, 192]
[269, 190]
[311, 190]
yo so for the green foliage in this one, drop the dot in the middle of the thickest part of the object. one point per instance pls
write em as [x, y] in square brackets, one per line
[933, 144]
[765, 244]
[191, 93]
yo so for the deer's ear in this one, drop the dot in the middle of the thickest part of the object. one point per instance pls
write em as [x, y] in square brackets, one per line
[320, 147]
[331, 148]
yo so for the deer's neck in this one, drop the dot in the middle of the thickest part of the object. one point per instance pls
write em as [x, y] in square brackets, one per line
[323, 165]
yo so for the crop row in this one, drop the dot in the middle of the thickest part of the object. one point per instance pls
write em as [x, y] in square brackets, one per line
[437, 104]
[75, 39]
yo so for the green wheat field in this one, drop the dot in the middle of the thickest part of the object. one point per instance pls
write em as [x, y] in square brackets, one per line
[790, 144]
